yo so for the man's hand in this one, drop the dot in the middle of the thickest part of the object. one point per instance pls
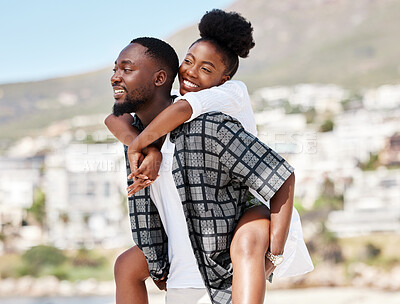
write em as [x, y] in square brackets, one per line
[144, 165]
[150, 165]
[138, 184]
[135, 156]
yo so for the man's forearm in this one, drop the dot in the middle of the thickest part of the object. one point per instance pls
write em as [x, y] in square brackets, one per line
[281, 214]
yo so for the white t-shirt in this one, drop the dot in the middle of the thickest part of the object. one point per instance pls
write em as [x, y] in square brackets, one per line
[233, 99]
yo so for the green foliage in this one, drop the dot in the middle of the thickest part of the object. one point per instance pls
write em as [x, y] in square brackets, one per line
[371, 251]
[326, 126]
[88, 258]
[328, 198]
[371, 164]
[299, 205]
[38, 258]
[310, 115]
[79, 265]
[38, 208]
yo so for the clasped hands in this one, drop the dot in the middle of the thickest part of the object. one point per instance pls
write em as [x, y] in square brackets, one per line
[145, 164]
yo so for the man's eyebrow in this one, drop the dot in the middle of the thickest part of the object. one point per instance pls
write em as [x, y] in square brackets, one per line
[124, 62]
[127, 62]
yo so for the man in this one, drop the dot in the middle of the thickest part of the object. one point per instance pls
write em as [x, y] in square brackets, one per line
[206, 161]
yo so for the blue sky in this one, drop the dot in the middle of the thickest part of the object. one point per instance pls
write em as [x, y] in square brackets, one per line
[50, 38]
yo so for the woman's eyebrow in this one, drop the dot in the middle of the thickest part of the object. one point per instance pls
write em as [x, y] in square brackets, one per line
[209, 63]
[204, 61]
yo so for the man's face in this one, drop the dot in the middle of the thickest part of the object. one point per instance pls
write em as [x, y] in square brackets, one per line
[132, 80]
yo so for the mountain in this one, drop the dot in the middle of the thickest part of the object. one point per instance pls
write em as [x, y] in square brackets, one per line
[351, 43]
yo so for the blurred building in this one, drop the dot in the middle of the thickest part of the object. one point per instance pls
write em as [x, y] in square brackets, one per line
[19, 177]
[85, 196]
[371, 204]
[390, 155]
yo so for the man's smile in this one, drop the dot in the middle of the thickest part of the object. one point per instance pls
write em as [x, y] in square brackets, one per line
[118, 92]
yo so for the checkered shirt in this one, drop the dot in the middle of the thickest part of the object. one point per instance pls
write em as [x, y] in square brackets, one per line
[215, 162]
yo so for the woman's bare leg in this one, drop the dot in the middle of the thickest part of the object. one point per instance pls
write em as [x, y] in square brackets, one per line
[130, 272]
[249, 245]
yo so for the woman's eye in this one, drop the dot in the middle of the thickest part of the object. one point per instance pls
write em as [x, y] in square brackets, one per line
[187, 61]
[127, 70]
[206, 70]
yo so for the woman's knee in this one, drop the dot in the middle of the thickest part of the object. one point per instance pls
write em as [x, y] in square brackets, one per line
[249, 243]
[252, 234]
[131, 264]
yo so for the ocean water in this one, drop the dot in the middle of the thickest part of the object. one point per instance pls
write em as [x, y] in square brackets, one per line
[59, 300]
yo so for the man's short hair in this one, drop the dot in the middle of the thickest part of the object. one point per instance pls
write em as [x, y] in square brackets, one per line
[163, 53]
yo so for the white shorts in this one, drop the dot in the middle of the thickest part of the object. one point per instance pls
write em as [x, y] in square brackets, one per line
[187, 296]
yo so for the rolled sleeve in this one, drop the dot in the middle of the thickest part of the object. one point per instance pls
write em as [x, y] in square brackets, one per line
[251, 161]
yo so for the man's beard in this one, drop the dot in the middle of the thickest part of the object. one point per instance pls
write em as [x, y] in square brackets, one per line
[133, 102]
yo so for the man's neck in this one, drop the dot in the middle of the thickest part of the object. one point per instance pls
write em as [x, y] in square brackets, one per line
[155, 107]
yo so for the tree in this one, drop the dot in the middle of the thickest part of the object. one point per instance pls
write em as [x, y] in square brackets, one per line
[38, 208]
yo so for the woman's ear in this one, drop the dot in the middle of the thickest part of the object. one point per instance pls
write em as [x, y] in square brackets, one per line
[225, 78]
[160, 78]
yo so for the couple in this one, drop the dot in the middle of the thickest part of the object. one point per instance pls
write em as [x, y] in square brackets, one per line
[196, 226]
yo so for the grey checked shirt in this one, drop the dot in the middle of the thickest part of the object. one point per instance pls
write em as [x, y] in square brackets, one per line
[215, 163]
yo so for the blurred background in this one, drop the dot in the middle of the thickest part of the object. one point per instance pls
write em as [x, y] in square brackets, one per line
[324, 80]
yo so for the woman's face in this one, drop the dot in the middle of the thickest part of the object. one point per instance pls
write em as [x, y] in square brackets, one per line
[202, 68]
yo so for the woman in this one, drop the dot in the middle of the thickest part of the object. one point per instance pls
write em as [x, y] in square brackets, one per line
[211, 61]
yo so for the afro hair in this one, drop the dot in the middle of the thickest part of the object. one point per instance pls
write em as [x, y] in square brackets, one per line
[229, 29]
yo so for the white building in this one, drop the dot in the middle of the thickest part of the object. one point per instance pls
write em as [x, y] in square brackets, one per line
[86, 196]
[323, 98]
[19, 177]
[384, 97]
[371, 204]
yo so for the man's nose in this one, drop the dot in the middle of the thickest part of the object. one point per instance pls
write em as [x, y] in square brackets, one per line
[116, 77]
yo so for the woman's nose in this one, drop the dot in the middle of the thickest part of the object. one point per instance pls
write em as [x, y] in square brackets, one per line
[191, 72]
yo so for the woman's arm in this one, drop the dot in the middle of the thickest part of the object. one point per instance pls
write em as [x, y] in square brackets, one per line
[281, 214]
[227, 98]
[170, 118]
[122, 128]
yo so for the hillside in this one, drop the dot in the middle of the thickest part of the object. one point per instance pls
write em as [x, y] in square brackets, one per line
[351, 43]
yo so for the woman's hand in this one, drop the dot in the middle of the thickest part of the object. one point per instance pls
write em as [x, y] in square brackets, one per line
[269, 268]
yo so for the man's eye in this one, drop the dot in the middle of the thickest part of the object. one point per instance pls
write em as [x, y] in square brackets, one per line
[206, 70]
[127, 70]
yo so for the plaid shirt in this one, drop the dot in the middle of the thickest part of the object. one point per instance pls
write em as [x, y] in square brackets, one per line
[215, 162]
